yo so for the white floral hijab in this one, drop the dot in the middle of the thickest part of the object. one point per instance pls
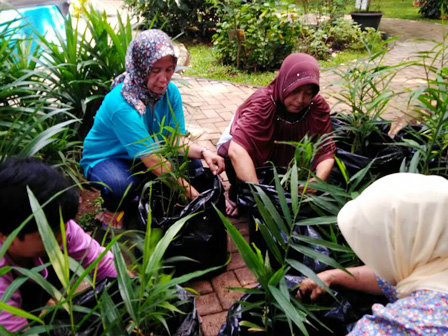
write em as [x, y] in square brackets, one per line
[399, 228]
[143, 52]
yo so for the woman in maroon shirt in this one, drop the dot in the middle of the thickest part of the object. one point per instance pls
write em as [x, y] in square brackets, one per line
[286, 110]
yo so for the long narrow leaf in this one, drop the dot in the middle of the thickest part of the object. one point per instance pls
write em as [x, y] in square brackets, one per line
[290, 311]
[253, 262]
[49, 240]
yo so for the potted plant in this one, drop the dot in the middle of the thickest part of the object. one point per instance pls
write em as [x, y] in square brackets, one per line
[363, 97]
[272, 308]
[203, 240]
[365, 17]
[144, 299]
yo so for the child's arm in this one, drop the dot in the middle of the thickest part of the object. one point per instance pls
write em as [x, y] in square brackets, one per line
[362, 279]
[82, 247]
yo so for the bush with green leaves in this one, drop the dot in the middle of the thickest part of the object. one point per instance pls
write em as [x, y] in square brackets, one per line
[191, 17]
[32, 123]
[256, 35]
[81, 67]
[433, 9]
[337, 35]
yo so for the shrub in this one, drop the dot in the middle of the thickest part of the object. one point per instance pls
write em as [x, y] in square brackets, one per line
[176, 17]
[266, 35]
[337, 35]
[82, 66]
[313, 41]
[433, 9]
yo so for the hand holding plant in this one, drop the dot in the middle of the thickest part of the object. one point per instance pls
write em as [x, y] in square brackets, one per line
[214, 161]
[310, 288]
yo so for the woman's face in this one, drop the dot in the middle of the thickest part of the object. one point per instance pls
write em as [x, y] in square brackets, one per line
[300, 98]
[160, 75]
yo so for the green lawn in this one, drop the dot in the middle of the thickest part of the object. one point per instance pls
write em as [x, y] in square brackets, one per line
[397, 9]
[205, 64]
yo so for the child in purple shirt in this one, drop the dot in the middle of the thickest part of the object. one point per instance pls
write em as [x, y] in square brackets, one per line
[27, 249]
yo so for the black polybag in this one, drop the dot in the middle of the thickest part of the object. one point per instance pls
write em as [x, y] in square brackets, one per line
[414, 133]
[186, 324]
[203, 238]
[378, 147]
[340, 318]
[87, 299]
[245, 198]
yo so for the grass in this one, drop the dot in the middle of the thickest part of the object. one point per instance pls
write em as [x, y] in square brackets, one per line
[205, 64]
[395, 9]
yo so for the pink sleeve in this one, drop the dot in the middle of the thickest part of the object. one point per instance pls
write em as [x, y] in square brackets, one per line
[9, 321]
[82, 247]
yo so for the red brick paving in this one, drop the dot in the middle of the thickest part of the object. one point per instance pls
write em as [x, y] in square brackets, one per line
[216, 298]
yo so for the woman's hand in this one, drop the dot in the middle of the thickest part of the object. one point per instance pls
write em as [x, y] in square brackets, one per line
[308, 189]
[309, 287]
[214, 161]
[360, 278]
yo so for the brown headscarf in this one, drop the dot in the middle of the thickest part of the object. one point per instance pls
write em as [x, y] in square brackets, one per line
[256, 125]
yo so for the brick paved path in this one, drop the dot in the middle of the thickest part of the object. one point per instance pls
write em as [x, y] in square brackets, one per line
[209, 106]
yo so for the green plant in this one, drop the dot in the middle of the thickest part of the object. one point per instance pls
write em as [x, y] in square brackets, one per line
[364, 94]
[191, 17]
[324, 8]
[81, 67]
[256, 36]
[149, 295]
[31, 122]
[430, 104]
[313, 42]
[433, 9]
[276, 304]
[337, 35]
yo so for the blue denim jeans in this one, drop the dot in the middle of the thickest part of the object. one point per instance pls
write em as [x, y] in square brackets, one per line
[114, 176]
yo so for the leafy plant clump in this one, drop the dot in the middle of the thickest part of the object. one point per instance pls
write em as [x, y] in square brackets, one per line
[363, 97]
[335, 36]
[144, 299]
[190, 17]
[257, 35]
[279, 221]
[433, 9]
[429, 105]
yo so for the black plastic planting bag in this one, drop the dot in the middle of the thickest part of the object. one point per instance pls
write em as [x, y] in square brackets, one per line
[246, 199]
[378, 147]
[203, 237]
[88, 299]
[186, 324]
[340, 318]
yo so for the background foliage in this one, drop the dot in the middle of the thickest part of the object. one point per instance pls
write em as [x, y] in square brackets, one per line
[191, 17]
[270, 34]
[433, 9]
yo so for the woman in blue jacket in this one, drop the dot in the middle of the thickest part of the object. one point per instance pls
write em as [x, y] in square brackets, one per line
[143, 107]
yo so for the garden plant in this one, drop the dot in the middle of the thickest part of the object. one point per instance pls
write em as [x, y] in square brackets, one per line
[144, 300]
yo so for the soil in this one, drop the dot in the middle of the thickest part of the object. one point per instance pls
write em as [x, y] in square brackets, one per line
[87, 201]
